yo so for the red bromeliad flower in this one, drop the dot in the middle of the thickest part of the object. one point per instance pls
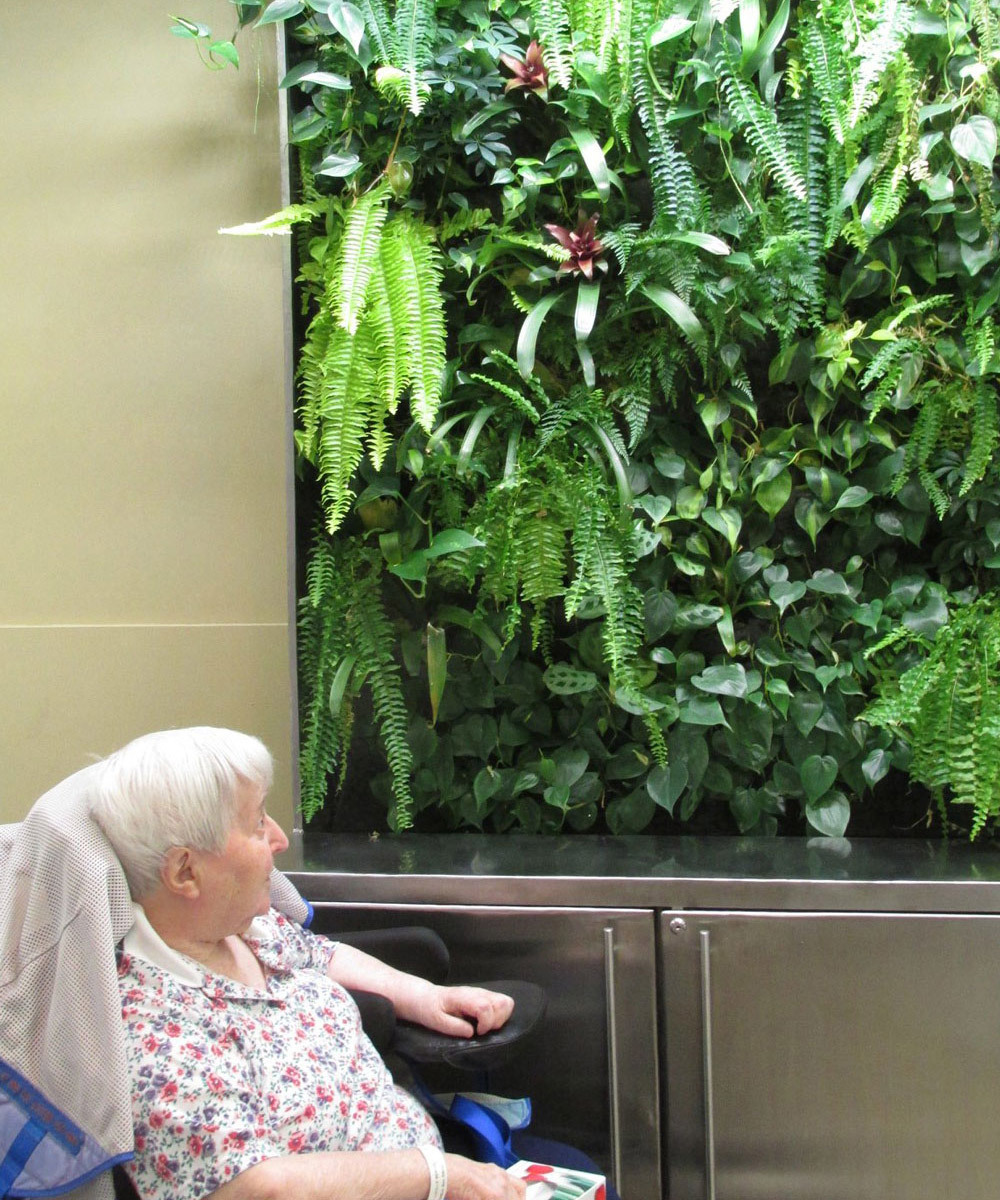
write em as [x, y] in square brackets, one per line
[583, 245]
[530, 74]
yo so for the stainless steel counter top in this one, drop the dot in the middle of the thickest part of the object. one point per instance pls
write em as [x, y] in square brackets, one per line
[791, 874]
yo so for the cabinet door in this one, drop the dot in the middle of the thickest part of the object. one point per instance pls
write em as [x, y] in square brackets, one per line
[831, 1057]
[591, 1069]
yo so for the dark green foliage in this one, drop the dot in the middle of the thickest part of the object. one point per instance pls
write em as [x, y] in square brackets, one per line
[675, 500]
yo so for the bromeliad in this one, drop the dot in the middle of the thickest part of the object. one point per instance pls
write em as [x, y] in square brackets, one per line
[583, 244]
[530, 74]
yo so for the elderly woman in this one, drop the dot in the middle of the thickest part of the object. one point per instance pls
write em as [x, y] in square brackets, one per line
[251, 1076]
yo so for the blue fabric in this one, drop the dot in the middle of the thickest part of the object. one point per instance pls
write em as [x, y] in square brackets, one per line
[46, 1153]
[20, 1150]
[489, 1131]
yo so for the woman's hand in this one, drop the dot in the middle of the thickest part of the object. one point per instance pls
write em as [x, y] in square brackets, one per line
[468, 1180]
[459, 1011]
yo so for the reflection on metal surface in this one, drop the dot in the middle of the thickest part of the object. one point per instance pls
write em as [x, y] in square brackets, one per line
[657, 872]
[706, 1060]
[613, 1079]
[852, 1056]
[565, 1069]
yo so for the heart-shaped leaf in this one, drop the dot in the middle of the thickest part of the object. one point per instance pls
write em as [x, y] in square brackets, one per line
[830, 583]
[817, 774]
[665, 784]
[876, 766]
[976, 140]
[784, 594]
[805, 710]
[728, 680]
[703, 712]
[830, 815]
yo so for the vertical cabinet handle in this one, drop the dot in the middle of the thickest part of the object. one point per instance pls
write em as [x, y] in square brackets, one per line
[614, 1090]
[706, 1061]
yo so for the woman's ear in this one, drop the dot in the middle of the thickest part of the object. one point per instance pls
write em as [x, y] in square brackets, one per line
[179, 873]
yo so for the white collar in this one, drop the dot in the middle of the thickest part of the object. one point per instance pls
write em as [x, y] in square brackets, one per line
[144, 942]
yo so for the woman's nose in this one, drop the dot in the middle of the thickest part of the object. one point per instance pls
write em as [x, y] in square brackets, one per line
[276, 838]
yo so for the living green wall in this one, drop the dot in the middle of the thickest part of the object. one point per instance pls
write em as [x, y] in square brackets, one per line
[648, 408]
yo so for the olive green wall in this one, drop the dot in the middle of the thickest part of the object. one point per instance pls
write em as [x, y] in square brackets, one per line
[144, 444]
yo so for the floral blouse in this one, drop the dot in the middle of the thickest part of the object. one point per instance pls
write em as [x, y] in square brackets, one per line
[224, 1076]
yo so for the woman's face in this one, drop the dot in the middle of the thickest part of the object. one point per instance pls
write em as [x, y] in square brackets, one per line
[237, 879]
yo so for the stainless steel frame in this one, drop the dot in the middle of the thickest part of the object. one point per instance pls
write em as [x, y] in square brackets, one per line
[826, 1017]
[592, 1070]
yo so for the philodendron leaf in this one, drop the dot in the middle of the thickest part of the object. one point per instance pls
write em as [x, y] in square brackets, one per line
[728, 680]
[703, 712]
[665, 784]
[830, 583]
[349, 23]
[568, 681]
[485, 786]
[772, 495]
[811, 516]
[805, 710]
[830, 814]
[817, 774]
[876, 766]
[280, 10]
[853, 497]
[783, 594]
[571, 763]
[450, 540]
[976, 140]
[726, 521]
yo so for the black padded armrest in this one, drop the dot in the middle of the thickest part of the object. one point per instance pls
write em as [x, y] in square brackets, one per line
[421, 1045]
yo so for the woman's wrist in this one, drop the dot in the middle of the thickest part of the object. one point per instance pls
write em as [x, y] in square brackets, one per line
[437, 1169]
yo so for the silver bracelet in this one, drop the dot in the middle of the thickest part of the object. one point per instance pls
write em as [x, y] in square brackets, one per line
[439, 1172]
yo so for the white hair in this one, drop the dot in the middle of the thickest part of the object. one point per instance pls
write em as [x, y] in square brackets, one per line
[176, 787]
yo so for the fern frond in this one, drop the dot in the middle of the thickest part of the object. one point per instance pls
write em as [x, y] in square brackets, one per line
[464, 220]
[519, 401]
[413, 276]
[550, 20]
[345, 396]
[379, 28]
[759, 123]
[621, 240]
[348, 285]
[985, 435]
[823, 46]
[413, 45]
[387, 316]
[889, 26]
[375, 641]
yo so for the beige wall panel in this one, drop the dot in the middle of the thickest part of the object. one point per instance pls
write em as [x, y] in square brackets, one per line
[143, 398]
[81, 693]
[144, 477]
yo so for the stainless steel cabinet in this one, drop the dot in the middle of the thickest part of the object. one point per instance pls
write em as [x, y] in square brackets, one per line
[824, 1056]
[592, 1073]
